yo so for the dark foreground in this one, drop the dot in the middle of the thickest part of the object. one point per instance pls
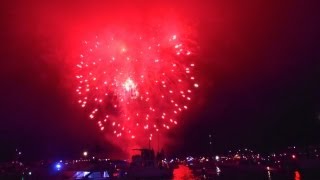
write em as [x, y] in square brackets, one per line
[217, 173]
[234, 173]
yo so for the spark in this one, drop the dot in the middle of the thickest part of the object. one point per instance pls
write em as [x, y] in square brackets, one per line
[136, 84]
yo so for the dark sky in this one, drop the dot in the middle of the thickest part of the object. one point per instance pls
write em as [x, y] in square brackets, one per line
[258, 62]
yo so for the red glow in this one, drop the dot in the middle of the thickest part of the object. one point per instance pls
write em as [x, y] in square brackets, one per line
[297, 175]
[293, 156]
[183, 172]
[136, 81]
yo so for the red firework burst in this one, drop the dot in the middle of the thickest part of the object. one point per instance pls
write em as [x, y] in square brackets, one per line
[136, 82]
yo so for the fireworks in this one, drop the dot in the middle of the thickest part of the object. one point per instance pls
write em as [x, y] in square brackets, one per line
[138, 83]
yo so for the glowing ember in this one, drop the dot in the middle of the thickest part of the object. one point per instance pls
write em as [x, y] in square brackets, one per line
[137, 83]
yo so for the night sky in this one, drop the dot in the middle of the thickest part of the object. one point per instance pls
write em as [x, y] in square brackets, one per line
[258, 62]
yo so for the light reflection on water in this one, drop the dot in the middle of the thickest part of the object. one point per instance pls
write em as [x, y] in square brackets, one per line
[269, 175]
[296, 175]
[183, 172]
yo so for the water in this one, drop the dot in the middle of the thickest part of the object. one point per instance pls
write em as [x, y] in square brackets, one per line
[184, 172]
[196, 172]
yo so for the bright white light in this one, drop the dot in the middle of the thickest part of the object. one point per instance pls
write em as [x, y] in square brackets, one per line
[174, 37]
[218, 170]
[58, 166]
[129, 85]
[217, 158]
[85, 153]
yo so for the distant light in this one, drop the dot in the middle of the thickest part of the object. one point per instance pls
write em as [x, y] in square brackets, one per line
[293, 156]
[58, 166]
[217, 158]
[85, 153]
[30, 173]
[189, 158]
[268, 168]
